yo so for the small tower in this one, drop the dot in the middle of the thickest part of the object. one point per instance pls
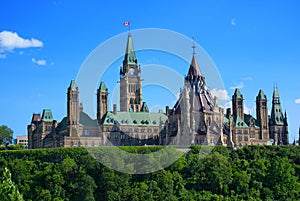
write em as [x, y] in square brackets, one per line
[262, 114]
[130, 81]
[278, 123]
[102, 101]
[238, 104]
[73, 109]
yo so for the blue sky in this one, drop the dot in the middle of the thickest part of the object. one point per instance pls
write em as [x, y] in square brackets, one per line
[254, 44]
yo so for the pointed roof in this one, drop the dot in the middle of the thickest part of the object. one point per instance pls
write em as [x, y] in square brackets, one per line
[102, 87]
[277, 117]
[261, 95]
[130, 57]
[144, 107]
[73, 85]
[237, 93]
[194, 68]
[275, 93]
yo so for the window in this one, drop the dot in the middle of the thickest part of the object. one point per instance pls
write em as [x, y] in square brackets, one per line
[93, 144]
[71, 144]
[246, 138]
[239, 132]
[86, 132]
[245, 131]
[252, 134]
[240, 138]
[85, 144]
[78, 144]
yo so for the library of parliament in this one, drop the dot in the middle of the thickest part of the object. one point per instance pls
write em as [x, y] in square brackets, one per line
[196, 117]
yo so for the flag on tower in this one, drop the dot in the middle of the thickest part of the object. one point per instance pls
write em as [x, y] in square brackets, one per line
[126, 23]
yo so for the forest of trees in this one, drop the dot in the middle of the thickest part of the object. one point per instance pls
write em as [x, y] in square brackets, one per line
[249, 173]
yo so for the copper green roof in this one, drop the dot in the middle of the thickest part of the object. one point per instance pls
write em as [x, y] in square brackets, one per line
[47, 115]
[135, 119]
[102, 87]
[63, 125]
[238, 122]
[261, 95]
[276, 111]
[237, 93]
[130, 57]
[86, 120]
[248, 117]
[73, 85]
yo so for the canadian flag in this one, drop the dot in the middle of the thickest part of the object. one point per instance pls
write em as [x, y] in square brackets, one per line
[126, 23]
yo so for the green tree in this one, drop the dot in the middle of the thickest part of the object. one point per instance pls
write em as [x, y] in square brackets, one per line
[6, 134]
[8, 190]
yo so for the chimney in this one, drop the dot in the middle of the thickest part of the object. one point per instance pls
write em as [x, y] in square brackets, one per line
[115, 109]
[228, 112]
[167, 110]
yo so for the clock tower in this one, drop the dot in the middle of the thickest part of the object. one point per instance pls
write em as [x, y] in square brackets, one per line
[130, 81]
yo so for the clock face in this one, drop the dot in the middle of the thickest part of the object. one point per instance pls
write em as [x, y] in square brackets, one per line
[131, 71]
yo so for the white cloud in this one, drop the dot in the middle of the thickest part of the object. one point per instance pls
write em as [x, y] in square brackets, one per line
[297, 101]
[40, 62]
[239, 86]
[11, 40]
[233, 22]
[222, 94]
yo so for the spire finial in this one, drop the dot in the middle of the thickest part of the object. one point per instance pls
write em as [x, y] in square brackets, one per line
[193, 46]
[127, 23]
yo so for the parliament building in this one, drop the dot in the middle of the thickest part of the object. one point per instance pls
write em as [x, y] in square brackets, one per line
[196, 117]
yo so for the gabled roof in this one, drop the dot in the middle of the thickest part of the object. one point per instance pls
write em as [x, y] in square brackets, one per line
[135, 118]
[86, 120]
[47, 115]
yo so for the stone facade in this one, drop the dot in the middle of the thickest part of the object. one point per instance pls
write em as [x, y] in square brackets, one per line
[196, 118]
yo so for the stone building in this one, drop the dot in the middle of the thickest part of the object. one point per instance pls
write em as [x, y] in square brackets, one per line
[196, 118]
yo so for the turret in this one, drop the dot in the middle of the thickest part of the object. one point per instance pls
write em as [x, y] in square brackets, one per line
[238, 104]
[102, 101]
[73, 104]
[262, 114]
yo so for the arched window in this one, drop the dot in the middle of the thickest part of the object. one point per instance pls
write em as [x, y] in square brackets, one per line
[71, 144]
